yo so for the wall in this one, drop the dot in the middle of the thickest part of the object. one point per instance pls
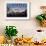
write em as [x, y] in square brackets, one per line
[25, 27]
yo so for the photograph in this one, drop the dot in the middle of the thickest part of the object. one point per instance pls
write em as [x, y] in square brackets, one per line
[17, 10]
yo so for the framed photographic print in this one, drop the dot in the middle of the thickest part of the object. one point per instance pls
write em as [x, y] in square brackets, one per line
[17, 10]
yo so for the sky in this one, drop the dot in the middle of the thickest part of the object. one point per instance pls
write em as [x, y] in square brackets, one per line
[19, 6]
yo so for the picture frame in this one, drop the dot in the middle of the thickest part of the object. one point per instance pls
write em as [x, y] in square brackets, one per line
[16, 10]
